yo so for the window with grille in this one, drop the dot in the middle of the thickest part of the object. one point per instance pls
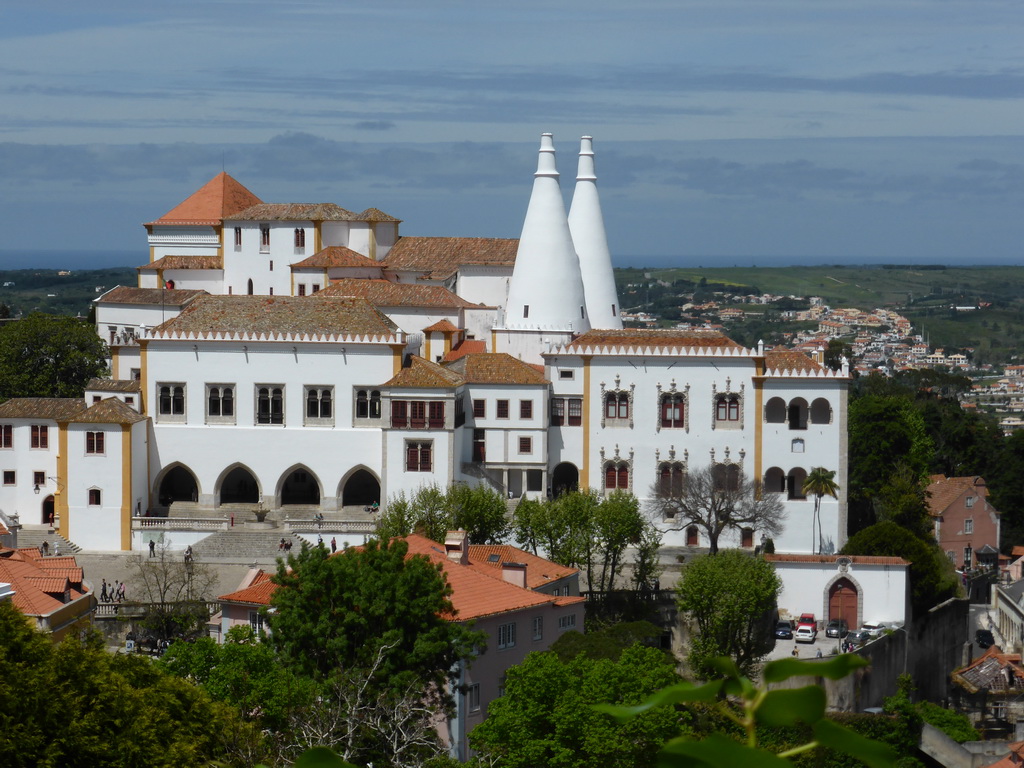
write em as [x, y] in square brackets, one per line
[526, 409]
[40, 436]
[673, 412]
[94, 443]
[616, 476]
[506, 636]
[503, 409]
[170, 402]
[418, 456]
[220, 403]
[269, 404]
[320, 405]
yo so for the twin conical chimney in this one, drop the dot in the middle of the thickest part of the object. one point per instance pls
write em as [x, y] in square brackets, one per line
[586, 225]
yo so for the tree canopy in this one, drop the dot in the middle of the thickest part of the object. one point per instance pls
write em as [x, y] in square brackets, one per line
[731, 598]
[719, 498]
[480, 511]
[49, 356]
[546, 717]
[344, 611]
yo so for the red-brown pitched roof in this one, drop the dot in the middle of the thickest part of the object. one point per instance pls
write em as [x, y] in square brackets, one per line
[442, 326]
[422, 373]
[465, 347]
[109, 411]
[39, 583]
[168, 297]
[185, 262]
[650, 338]
[495, 368]
[294, 212]
[855, 559]
[56, 408]
[782, 359]
[336, 256]
[216, 200]
[384, 293]
[943, 491]
[440, 257]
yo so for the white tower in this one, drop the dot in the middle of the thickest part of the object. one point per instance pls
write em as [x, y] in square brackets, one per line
[546, 302]
[588, 236]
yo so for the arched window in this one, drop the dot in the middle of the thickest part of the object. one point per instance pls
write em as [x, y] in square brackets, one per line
[775, 411]
[726, 477]
[616, 406]
[795, 484]
[250, 286]
[362, 405]
[375, 404]
[671, 476]
[821, 411]
[727, 410]
[775, 480]
[798, 413]
[270, 405]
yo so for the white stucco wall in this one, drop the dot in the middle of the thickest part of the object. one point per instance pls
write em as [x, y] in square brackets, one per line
[883, 589]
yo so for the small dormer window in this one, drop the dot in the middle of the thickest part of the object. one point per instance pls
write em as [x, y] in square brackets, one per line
[526, 310]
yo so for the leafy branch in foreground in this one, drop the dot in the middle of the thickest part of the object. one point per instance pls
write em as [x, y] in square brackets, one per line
[760, 707]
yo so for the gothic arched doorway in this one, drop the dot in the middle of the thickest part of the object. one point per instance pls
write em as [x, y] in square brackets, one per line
[300, 487]
[47, 510]
[361, 489]
[178, 485]
[239, 487]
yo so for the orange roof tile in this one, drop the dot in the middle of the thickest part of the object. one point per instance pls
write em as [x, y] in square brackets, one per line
[114, 385]
[650, 338]
[782, 359]
[185, 262]
[831, 559]
[441, 257]
[539, 572]
[294, 212]
[218, 199]
[169, 297]
[336, 256]
[384, 293]
[36, 580]
[421, 373]
[376, 214]
[465, 347]
[495, 368]
[109, 411]
[442, 326]
[56, 408]
[943, 491]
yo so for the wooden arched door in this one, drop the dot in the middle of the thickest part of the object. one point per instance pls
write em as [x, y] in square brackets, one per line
[842, 602]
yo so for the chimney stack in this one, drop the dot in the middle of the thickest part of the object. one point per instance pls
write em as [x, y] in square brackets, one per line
[456, 547]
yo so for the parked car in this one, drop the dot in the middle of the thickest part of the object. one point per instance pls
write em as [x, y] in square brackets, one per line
[837, 628]
[806, 619]
[805, 634]
[784, 630]
[984, 638]
[859, 637]
[874, 630]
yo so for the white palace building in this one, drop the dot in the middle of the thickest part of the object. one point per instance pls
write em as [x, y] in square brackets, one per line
[314, 361]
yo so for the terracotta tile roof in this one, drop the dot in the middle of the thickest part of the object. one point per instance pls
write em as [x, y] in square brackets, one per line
[113, 385]
[442, 326]
[170, 297]
[1018, 551]
[495, 368]
[539, 572]
[781, 359]
[384, 293]
[465, 347]
[294, 212]
[649, 338]
[185, 262]
[336, 256]
[36, 580]
[218, 199]
[994, 670]
[944, 491]
[376, 214]
[421, 373]
[478, 589]
[252, 317]
[109, 411]
[831, 559]
[1012, 760]
[56, 408]
[441, 257]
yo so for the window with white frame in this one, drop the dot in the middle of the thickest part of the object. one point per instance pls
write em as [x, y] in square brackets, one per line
[673, 411]
[538, 627]
[473, 697]
[968, 526]
[567, 622]
[95, 497]
[264, 238]
[616, 406]
[616, 476]
[507, 636]
[238, 238]
[6, 436]
[968, 557]
[320, 406]
[419, 455]
[256, 621]
[94, 443]
[220, 403]
[9, 477]
[526, 409]
[270, 404]
[170, 402]
[969, 501]
[300, 240]
[727, 410]
[525, 445]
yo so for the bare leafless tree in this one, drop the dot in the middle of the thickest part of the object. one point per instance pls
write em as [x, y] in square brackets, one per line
[715, 499]
[174, 591]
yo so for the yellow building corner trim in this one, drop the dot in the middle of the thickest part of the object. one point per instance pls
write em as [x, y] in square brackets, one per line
[494, 342]
[585, 469]
[126, 486]
[143, 376]
[114, 362]
[60, 501]
[396, 353]
[448, 341]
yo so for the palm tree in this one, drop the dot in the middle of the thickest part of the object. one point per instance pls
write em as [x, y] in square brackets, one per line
[820, 482]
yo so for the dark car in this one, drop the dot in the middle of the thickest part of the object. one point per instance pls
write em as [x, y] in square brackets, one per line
[784, 630]
[837, 628]
[984, 639]
[858, 637]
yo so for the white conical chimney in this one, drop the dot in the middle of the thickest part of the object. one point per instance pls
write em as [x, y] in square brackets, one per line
[588, 236]
[546, 289]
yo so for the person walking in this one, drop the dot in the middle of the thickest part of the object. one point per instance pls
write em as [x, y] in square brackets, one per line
[334, 545]
[120, 592]
[103, 592]
[56, 549]
[152, 548]
[46, 548]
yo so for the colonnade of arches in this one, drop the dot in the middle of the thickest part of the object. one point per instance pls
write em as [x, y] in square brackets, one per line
[791, 483]
[238, 484]
[797, 414]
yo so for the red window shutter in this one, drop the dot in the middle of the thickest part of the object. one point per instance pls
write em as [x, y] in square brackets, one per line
[623, 477]
[609, 477]
[398, 413]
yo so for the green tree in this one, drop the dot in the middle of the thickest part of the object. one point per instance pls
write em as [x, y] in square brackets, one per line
[546, 717]
[74, 704]
[606, 642]
[333, 612]
[931, 574]
[715, 501]
[820, 482]
[478, 510]
[49, 356]
[731, 599]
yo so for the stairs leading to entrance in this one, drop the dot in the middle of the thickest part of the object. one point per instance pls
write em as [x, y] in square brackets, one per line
[245, 545]
[34, 537]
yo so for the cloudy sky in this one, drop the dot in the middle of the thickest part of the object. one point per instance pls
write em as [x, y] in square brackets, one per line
[726, 131]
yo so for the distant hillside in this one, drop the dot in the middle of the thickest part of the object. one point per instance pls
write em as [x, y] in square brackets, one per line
[45, 290]
[924, 294]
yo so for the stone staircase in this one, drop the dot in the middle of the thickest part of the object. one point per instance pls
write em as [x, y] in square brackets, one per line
[243, 545]
[34, 537]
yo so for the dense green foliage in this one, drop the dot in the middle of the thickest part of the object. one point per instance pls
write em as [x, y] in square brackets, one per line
[75, 704]
[731, 598]
[432, 512]
[954, 724]
[932, 579]
[546, 717]
[371, 607]
[49, 356]
[587, 531]
[606, 642]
